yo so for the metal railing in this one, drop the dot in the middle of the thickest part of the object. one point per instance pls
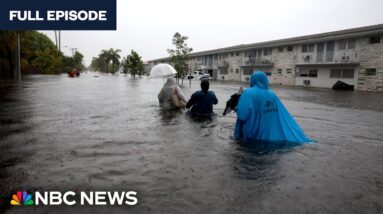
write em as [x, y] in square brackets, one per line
[249, 61]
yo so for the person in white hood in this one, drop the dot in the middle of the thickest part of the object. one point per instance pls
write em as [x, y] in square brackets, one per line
[166, 93]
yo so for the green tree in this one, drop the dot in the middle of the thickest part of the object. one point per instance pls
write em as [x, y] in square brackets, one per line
[104, 60]
[133, 64]
[75, 61]
[107, 61]
[125, 66]
[34, 46]
[78, 61]
[179, 56]
[8, 42]
[47, 61]
[38, 54]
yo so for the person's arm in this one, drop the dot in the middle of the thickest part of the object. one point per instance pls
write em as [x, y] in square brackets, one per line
[180, 94]
[160, 95]
[215, 100]
[243, 107]
[191, 102]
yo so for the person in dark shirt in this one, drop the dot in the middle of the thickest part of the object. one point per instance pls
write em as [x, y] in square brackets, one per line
[201, 102]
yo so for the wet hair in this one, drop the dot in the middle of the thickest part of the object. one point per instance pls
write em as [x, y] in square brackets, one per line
[205, 85]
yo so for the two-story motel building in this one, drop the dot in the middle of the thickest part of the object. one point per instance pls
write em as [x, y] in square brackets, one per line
[354, 56]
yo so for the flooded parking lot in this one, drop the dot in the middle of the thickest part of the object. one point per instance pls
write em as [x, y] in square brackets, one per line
[108, 133]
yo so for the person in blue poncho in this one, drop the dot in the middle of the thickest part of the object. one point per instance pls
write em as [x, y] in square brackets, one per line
[263, 117]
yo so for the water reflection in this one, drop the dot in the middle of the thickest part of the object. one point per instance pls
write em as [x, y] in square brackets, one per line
[170, 116]
[258, 160]
[123, 141]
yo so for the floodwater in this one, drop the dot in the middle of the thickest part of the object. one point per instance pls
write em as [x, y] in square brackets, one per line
[108, 133]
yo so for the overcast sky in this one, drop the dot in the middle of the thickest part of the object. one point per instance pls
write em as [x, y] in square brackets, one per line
[148, 26]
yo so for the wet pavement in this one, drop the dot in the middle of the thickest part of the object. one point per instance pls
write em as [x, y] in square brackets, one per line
[108, 133]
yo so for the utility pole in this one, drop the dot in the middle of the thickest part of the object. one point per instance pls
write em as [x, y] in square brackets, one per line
[73, 51]
[60, 40]
[57, 45]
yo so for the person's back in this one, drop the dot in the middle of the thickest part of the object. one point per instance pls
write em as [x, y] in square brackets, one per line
[168, 90]
[263, 117]
[201, 102]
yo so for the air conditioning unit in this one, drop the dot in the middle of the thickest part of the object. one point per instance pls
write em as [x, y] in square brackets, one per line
[306, 82]
[307, 58]
[345, 58]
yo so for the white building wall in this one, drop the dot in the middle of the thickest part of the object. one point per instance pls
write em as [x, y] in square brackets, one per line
[364, 56]
[323, 80]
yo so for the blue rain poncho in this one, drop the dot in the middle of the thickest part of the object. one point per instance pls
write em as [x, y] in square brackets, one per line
[263, 117]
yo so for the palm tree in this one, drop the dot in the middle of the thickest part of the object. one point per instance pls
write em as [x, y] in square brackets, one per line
[114, 56]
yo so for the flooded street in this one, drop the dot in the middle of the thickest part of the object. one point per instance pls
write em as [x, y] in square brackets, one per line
[108, 133]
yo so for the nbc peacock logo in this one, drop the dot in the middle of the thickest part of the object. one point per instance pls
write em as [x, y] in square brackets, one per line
[22, 198]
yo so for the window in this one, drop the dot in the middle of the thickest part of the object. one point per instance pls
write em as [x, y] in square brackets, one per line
[219, 57]
[288, 71]
[370, 71]
[313, 73]
[231, 70]
[342, 44]
[289, 48]
[320, 47]
[268, 73]
[308, 48]
[351, 44]
[279, 71]
[330, 51]
[237, 53]
[346, 44]
[236, 71]
[348, 74]
[374, 39]
[231, 54]
[280, 49]
[247, 71]
[342, 73]
[336, 73]
[267, 52]
[311, 48]
[308, 73]
[303, 73]
[223, 71]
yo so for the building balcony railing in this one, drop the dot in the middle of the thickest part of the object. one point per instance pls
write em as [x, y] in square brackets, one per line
[257, 61]
[329, 57]
[222, 63]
